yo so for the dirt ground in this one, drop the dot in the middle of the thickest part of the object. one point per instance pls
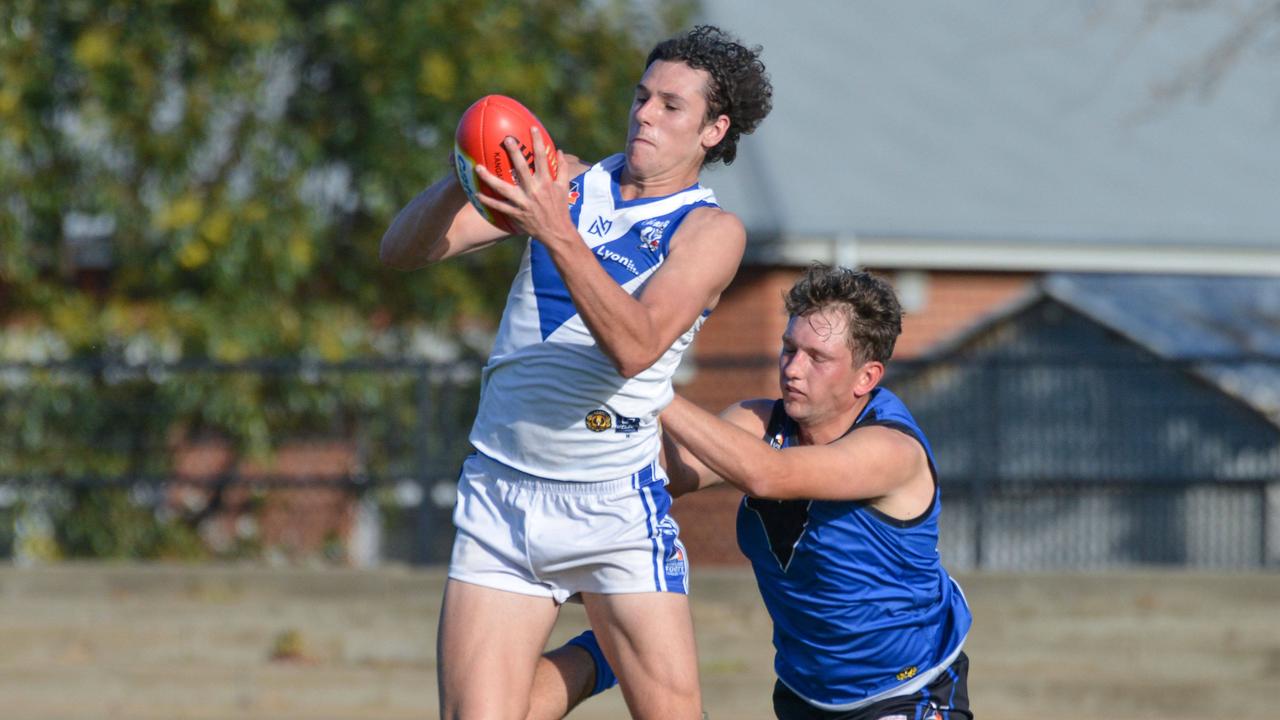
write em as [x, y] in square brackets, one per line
[174, 642]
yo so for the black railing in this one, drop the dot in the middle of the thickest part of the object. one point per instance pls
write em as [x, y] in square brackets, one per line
[203, 444]
[1044, 463]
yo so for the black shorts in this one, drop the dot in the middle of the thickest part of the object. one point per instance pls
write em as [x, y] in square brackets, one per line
[946, 698]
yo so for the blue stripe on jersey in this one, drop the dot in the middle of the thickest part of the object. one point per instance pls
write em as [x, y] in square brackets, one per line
[623, 258]
[555, 306]
[665, 245]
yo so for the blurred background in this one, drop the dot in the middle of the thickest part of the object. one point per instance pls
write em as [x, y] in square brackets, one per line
[228, 437]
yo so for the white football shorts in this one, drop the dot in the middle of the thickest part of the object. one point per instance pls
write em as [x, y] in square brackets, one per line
[555, 538]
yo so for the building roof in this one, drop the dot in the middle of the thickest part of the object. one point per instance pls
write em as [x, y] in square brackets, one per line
[1228, 328]
[1225, 329]
[1024, 136]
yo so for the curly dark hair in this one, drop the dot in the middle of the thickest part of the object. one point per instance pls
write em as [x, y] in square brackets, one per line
[867, 302]
[739, 87]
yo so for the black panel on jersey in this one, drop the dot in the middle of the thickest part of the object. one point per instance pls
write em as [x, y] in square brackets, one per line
[784, 521]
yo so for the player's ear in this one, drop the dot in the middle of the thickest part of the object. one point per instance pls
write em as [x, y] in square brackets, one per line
[868, 376]
[715, 131]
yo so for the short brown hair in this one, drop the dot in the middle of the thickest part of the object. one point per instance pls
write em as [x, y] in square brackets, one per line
[867, 302]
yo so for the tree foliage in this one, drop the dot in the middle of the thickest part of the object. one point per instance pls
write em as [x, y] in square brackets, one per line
[190, 180]
[237, 162]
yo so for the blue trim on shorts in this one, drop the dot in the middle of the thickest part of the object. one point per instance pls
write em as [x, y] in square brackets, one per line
[649, 509]
[924, 703]
[951, 701]
[660, 546]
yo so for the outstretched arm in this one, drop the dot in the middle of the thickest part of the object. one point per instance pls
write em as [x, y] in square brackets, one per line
[686, 472]
[440, 223]
[437, 224]
[871, 462]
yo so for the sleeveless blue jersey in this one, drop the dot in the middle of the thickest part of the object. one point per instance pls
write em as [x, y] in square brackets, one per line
[862, 608]
[551, 403]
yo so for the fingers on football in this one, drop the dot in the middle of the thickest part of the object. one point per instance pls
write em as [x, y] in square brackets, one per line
[539, 153]
[519, 163]
[563, 178]
[499, 185]
[506, 190]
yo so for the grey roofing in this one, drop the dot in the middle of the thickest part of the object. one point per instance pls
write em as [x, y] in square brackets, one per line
[1228, 327]
[1181, 317]
[1039, 120]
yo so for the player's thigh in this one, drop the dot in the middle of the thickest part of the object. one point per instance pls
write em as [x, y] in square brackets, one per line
[648, 639]
[488, 645]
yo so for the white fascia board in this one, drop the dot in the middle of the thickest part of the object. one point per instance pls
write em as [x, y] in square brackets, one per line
[923, 253]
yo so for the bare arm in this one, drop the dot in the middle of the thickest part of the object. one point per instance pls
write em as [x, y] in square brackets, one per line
[437, 224]
[874, 462]
[633, 332]
[440, 223]
[689, 474]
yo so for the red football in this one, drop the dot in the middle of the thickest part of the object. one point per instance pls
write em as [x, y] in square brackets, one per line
[483, 127]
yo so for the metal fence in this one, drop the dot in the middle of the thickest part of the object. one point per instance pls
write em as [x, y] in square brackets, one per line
[349, 461]
[1140, 464]
[1098, 462]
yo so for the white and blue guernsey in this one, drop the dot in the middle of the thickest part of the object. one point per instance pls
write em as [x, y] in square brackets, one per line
[551, 403]
[862, 608]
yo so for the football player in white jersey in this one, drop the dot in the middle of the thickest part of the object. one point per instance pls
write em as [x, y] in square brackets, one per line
[614, 281]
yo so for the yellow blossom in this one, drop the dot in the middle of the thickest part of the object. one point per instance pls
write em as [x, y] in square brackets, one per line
[194, 254]
[94, 48]
[181, 213]
[438, 77]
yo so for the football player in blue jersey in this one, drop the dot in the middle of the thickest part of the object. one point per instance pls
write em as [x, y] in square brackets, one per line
[840, 522]
[564, 496]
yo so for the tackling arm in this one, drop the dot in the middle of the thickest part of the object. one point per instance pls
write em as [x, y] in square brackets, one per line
[871, 462]
[689, 474]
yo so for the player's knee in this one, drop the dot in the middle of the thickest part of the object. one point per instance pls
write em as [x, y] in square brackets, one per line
[681, 688]
[501, 705]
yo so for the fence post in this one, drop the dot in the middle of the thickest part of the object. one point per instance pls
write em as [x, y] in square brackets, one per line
[426, 515]
[991, 387]
[979, 510]
[1264, 524]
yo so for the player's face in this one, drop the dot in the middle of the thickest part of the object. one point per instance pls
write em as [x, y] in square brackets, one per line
[668, 126]
[816, 369]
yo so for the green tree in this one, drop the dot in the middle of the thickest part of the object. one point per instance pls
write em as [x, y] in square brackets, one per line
[240, 160]
[225, 169]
